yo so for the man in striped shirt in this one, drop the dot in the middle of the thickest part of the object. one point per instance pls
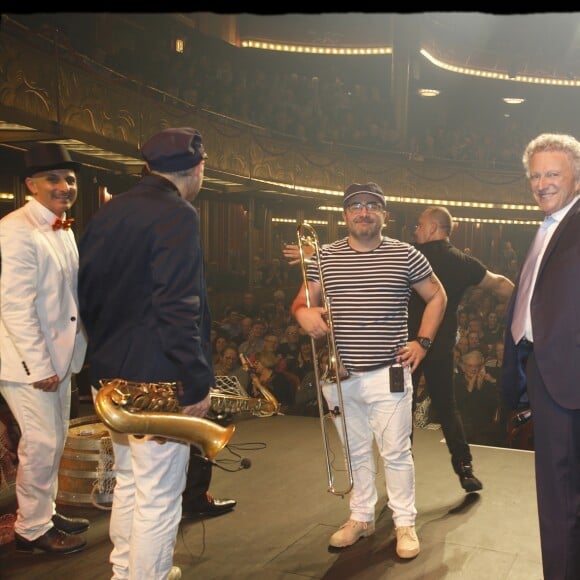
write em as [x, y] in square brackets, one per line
[367, 279]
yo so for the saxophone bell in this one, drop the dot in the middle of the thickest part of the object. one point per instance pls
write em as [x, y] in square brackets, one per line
[125, 407]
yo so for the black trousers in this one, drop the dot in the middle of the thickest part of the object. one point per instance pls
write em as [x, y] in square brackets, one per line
[557, 462]
[438, 374]
[198, 479]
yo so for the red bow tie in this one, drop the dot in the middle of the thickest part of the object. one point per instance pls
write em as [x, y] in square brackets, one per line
[64, 224]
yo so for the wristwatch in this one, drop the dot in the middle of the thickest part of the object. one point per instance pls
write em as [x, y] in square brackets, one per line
[424, 342]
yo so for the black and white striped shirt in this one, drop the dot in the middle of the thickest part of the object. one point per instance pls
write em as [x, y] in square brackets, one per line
[369, 295]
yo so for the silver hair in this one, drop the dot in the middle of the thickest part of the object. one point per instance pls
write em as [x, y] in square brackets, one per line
[553, 142]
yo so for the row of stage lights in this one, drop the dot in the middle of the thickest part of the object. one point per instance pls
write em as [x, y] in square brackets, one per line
[438, 62]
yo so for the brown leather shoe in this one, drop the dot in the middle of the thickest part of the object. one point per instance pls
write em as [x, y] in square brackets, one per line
[53, 542]
[70, 525]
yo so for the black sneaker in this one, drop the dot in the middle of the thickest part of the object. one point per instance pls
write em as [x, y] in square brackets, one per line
[468, 481]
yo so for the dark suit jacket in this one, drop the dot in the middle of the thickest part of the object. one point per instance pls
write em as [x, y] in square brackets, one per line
[142, 291]
[555, 310]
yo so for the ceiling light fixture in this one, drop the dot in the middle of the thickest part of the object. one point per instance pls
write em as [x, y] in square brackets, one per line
[428, 92]
[513, 100]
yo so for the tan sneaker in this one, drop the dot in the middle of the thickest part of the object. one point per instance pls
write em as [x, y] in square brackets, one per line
[174, 573]
[350, 533]
[407, 542]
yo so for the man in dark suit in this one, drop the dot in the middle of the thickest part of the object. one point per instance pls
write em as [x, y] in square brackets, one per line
[542, 349]
[143, 301]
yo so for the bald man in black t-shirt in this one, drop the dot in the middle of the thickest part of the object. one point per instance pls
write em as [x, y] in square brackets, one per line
[457, 272]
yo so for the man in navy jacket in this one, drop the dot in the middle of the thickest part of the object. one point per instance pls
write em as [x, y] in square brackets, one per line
[543, 366]
[143, 301]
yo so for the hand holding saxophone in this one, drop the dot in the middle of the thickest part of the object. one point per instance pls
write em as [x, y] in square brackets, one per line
[199, 409]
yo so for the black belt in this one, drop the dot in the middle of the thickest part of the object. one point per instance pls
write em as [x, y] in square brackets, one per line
[373, 367]
[525, 344]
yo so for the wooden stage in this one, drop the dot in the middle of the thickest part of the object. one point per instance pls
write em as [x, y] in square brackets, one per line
[285, 515]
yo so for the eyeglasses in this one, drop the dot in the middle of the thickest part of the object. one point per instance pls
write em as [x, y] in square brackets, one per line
[370, 206]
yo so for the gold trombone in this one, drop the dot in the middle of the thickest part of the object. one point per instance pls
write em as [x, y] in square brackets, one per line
[334, 372]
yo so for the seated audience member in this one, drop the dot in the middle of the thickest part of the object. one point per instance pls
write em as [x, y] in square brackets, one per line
[478, 401]
[304, 362]
[245, 329]
[229, 365]
[513, 270]
[273, 274]
[255, 341]
[500, 310]
[271, 343]
[281, 316]
[248, 306]
[457, 354]
[263, 374]
[488, 303]
[289, 348]
[474, 341]
[217, 346]
[494, 361]
[508, 255]
[492, 329]
[475, 324]
[462, 344]
[462, 320]
[231, 324]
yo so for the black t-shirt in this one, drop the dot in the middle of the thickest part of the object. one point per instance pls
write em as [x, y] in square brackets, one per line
[457, 272]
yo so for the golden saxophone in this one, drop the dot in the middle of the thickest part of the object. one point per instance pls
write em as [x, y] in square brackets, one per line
[153, 409]
[228, 396]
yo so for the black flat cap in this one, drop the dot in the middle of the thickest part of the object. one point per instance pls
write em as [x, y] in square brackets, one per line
[174, 149]
[371, 188]
[46, 156]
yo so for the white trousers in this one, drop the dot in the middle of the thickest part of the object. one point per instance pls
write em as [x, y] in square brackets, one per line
[43, 420]
[150, 478]
[371, 411]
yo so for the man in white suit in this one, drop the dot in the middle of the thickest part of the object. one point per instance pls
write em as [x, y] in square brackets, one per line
[42, 343]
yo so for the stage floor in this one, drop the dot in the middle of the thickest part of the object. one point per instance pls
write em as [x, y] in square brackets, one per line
[285, 515]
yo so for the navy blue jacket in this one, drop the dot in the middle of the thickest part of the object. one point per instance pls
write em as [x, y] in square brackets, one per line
[142, 291]
[555, 310]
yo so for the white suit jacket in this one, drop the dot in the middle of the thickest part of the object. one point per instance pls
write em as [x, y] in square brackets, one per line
[40, 330]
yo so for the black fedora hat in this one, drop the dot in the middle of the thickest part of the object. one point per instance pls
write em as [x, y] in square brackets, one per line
[46, 156]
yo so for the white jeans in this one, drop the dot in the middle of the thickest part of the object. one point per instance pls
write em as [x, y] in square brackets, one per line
[372, 411]
[43, 420]
[150, 478]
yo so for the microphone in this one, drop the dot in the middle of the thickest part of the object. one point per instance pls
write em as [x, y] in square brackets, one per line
[245, 463]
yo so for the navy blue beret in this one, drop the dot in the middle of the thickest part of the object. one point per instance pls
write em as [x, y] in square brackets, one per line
[174, 149]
